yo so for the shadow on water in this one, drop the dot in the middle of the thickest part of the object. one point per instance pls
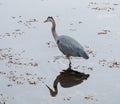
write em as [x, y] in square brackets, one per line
[67, 78]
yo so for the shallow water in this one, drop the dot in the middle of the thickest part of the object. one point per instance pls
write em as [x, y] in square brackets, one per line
[30, 59]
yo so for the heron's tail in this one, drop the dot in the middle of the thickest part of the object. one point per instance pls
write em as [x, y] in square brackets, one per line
[85, 55]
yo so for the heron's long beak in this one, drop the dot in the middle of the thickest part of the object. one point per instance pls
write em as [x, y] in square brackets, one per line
[45, 21]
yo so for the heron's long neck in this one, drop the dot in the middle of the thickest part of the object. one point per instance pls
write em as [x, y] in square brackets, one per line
[54, 30]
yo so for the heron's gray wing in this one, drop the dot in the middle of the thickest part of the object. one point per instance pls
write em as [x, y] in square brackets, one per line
[69, 46]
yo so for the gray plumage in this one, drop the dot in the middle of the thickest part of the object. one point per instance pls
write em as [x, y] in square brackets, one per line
[70, 47]
[67, 45]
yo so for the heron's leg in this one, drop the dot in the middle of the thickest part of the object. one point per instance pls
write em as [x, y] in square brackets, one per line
[69, 62]
[68, 57]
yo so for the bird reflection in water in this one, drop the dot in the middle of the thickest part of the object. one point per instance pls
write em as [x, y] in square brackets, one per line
[67, 78]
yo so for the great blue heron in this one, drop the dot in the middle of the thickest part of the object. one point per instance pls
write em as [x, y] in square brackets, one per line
[67, 45]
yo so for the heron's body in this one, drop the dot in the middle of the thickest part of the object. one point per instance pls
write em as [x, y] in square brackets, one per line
[67, 45]
[70, 47]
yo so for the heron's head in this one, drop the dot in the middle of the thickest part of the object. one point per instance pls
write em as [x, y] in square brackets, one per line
[49, 19]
